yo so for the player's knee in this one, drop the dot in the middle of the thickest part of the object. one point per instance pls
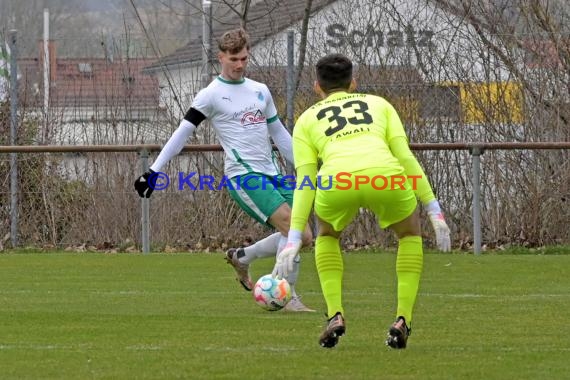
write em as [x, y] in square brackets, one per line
[326, 231]
[410, 226]
[281, 221]
[307, 238]
[409, 229]
[404, 234]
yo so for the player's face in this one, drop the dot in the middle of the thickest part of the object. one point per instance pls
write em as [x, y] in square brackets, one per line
[233, 65]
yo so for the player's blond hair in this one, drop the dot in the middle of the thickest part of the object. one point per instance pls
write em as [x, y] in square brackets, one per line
[233, 41]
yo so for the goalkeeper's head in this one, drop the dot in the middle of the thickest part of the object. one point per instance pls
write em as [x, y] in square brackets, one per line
[334, 73]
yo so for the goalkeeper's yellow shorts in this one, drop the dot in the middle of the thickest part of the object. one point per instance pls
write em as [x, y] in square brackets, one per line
[390, 202]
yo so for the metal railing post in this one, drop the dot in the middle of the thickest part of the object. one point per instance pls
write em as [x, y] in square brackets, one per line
[290, 80]
[145, 208]
[476, 153]
[14, 215]
[206, 42]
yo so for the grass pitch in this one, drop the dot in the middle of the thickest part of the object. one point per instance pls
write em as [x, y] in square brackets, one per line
[183, 316]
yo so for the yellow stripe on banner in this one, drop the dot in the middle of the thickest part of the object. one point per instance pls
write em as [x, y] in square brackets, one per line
[498, 102]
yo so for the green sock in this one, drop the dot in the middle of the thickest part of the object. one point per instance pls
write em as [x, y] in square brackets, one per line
[330, 269]
[409, 264]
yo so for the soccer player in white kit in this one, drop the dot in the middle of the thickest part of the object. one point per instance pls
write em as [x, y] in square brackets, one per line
[244, 117]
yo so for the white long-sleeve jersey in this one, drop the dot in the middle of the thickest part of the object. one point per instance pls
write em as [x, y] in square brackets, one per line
[243, 116]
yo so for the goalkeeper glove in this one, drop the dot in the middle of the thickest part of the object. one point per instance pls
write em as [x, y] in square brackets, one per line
[442, 238]
[285, 259]
[144, 185]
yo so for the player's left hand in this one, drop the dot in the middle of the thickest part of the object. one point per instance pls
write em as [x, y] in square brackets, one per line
[285, 260]
[442, 234]
[144, 185]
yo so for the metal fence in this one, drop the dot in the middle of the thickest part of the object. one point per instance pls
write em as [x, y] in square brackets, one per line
[86, 199]
[494, 193]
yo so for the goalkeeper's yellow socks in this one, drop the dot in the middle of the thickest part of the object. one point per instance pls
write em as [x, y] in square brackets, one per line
[330, 268]
[409, 264]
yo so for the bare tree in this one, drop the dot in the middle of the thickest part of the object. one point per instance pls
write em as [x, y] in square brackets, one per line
[303, 43]
[530, 41]
[532, 32]
[66, 20]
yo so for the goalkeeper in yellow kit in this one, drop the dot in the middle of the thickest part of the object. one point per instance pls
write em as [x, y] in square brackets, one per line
[361, 137]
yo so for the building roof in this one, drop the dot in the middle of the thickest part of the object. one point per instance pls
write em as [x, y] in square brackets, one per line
[88, 82]
[264, 19]
[543, 53]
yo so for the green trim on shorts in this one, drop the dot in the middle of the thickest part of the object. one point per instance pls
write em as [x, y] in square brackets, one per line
[260, 195]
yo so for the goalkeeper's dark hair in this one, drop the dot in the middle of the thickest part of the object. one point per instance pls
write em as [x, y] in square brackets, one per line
[233, 41]
[334, 71]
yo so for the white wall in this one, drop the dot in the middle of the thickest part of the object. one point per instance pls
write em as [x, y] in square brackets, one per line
[374, 32]
[105, 125]
[185, 82]
[378, 32]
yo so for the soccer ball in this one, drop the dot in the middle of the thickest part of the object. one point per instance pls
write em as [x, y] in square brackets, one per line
[270, 293]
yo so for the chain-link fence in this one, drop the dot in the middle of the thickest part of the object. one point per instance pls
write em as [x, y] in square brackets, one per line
[112, 97]
[86, 200]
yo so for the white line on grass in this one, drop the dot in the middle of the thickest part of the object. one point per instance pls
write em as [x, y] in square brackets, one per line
[510, 296]
[144, 347]
[252, 349]
[42, 347]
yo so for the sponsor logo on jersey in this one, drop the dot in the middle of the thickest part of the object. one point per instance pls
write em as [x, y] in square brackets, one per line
[252, 118]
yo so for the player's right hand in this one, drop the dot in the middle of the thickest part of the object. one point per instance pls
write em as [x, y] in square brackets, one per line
[286, 259]
[442, 234]
[144, 184]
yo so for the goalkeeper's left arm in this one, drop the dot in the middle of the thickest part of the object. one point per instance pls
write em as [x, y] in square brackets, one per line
[401, 150]
[302, 205]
